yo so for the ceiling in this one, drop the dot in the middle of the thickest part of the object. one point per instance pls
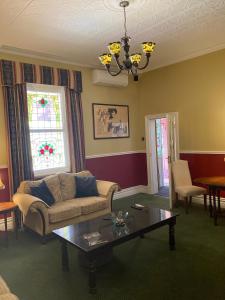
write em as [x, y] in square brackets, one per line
[77, 31]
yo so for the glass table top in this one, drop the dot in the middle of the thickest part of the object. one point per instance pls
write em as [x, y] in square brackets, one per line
[136, 221]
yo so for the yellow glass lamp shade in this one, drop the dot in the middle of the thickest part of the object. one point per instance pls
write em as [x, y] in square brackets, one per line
[135, 58]
[148, 47]
[105, 58]
[114, 48]
[2, 186]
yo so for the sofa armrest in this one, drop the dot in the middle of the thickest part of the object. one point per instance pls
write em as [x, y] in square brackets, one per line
[28, 202]
[107, 189]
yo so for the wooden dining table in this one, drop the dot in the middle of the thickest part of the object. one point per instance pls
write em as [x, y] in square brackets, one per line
[215, 185]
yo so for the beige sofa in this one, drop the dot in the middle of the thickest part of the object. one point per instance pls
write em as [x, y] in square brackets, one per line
[5, 293]
[67, 209]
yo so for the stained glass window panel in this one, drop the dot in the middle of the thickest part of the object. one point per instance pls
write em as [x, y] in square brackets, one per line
[44, 110]
[48, 130]
[47, 150]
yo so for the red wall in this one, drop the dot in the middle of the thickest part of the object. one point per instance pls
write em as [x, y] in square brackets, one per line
[4, 194]
[127, 170]
[203, 165]
[131, 169]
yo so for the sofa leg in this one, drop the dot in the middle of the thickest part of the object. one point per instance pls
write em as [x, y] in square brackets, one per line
[44, 240]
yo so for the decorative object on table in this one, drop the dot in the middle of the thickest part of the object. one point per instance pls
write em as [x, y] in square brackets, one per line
[119, 231]
[110, 121]
[137, 206]
[94, 238]
[131, 61]
[119, 218]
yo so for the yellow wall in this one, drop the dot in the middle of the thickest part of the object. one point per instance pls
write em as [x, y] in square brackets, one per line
[91, 93]
[196, 90]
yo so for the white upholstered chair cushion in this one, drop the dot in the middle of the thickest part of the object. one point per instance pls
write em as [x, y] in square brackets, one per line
[190, 190]
[181, 173]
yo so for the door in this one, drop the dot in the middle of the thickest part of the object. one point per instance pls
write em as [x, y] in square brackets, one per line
[154, 162]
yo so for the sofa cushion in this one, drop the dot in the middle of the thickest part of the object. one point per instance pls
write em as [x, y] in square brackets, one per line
[64, 210]
[43, 193]
[8, 296]
[91, 204]
[26, 185]
[53, 184]
[86, 186]
[5, 293]
[68, 187]
[3, 287]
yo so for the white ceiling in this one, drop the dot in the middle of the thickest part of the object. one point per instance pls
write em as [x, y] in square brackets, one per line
[77, 31]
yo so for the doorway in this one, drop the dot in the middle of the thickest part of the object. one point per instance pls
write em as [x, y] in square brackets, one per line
[162, 148]
[161, 126]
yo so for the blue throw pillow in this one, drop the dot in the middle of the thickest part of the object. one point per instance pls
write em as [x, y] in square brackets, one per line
[86, 186]
[43, 193]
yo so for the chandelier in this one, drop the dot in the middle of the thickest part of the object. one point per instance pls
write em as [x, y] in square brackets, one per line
[131, 61]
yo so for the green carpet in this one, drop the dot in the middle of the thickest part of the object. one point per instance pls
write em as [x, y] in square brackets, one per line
[141, 268]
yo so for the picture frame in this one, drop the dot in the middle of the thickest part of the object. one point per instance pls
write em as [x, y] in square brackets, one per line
[110, 121]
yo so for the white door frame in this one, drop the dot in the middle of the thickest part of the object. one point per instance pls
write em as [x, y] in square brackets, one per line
[152, 187]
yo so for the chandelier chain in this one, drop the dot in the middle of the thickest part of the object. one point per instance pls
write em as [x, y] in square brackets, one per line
[125, 21]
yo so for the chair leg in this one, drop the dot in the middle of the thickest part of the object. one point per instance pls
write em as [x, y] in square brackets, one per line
[186, 204]
[177, 199]
[205, 201]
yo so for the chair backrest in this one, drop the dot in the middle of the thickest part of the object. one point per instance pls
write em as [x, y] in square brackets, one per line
[181, 173]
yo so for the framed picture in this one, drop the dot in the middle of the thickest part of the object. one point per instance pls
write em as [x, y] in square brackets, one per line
[110, 121]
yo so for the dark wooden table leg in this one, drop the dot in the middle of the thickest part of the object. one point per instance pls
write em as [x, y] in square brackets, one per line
[172, 234]
[17, 222]
[65, 258]
[205, 201]
[92, 276]
[214, 207]
[142, 236]
[6, 230]
[210, 202]
[218, 199]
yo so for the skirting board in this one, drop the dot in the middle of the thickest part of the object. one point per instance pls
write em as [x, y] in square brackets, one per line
[200, 200]
[130, 191]
[9, 224]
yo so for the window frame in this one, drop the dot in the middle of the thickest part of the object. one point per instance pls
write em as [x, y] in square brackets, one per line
[44, 88]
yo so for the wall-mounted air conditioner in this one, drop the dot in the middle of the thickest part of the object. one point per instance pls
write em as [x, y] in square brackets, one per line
[101, 77]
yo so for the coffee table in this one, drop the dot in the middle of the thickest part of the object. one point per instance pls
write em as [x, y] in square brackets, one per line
[137, 224]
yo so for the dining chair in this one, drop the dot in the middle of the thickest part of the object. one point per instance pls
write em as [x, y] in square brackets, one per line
[183, 184]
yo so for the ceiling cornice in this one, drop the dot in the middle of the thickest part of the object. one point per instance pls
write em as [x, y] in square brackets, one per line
[42, 56]
[52, 58]
[194, 54]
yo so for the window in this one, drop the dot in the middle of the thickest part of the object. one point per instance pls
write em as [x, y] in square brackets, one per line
[48, 129]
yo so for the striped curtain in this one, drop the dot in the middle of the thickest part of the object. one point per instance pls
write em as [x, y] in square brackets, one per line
[18, 134]
[76, 129]
[13, 79]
